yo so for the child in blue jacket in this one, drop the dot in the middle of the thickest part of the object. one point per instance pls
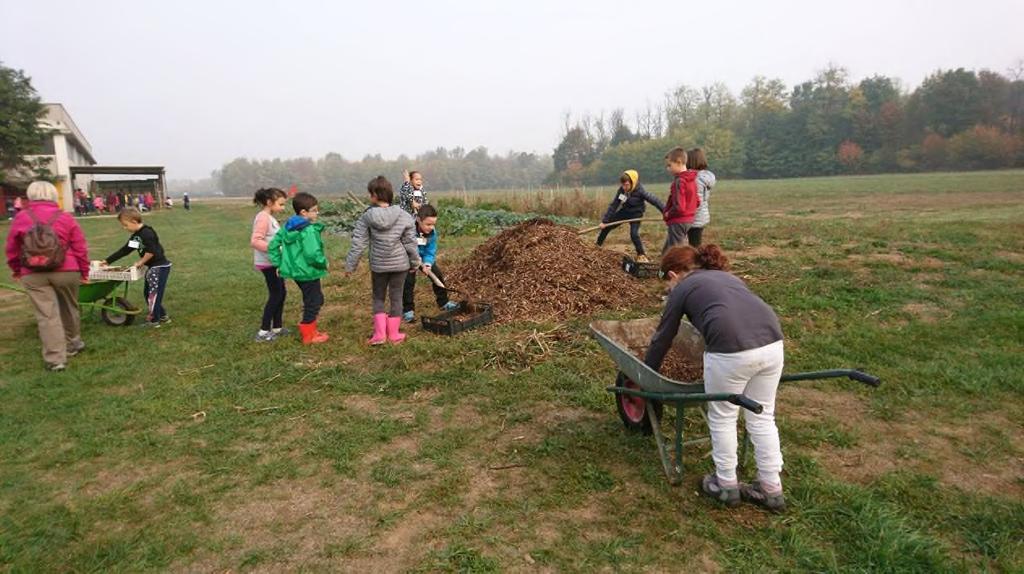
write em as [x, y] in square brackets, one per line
[426, 242]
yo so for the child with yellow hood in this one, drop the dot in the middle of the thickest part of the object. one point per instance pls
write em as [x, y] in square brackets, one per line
[630, 202]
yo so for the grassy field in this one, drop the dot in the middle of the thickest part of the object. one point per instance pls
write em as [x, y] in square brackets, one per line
[192, 448]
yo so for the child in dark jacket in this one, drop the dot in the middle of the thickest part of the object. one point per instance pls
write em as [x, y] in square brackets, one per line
[412, 196]
[682, 204]
[145, 241]
[630, 202]
[297, 252]
[426, 242]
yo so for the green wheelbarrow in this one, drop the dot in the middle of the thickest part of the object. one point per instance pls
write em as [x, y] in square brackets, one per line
[641, 392]
[115, 310]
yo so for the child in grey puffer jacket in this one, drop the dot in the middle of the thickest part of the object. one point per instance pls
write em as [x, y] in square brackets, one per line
[390, 234]
[696, 160]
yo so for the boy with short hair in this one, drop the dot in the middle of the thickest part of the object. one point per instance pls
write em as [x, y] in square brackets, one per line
[683, 201]
[298, 253]
[426, 242]
[411, 196]
[145, 241]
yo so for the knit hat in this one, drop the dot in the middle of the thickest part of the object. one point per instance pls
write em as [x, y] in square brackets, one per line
[633, 176]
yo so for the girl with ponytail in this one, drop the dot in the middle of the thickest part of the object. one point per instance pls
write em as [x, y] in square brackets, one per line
[743, 353]
[271, 201]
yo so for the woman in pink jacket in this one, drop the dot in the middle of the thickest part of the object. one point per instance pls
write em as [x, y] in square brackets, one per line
[53, 293]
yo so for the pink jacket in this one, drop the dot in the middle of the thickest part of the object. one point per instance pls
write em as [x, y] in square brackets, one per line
[76, 256]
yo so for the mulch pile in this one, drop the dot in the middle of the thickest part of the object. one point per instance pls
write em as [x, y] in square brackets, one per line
[539, 270]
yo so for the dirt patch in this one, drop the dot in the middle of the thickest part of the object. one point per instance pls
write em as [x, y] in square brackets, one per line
[759, 252]
[539, 271]
[926, 312]
[1011, 256]
[948, 450]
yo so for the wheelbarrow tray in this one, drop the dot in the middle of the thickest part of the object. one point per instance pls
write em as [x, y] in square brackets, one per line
[618, 338]
[94, 291]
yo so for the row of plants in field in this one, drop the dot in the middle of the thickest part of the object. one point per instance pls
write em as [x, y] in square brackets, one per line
[340, 217]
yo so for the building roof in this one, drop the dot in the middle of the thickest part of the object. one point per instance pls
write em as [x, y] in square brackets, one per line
[117, 169]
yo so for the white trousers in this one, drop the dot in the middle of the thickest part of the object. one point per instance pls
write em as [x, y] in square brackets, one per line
[754, 373]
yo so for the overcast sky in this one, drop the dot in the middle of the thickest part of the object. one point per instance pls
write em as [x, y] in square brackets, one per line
[192, 85]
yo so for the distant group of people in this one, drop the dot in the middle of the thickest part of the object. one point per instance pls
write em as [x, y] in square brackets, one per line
[111, 202]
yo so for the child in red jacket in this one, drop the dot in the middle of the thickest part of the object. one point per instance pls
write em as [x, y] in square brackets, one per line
[683, 201]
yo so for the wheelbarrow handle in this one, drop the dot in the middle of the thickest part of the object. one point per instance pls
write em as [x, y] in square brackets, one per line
[851, 374]
[865, 378]
[747, 403]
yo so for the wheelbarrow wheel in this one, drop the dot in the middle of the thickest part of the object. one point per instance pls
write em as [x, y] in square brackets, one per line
[116, 319]
[633, 410]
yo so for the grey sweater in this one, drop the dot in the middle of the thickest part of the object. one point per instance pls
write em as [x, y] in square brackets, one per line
[390, 234]
[705, 181]
[728, 315]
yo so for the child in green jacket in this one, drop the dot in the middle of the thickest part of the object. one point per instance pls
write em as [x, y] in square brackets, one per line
[298, 253]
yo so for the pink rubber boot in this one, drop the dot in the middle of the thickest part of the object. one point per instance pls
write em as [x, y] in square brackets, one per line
[379, 329]
[393, 334]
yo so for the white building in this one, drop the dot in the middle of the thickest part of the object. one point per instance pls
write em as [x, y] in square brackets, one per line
[64, 147]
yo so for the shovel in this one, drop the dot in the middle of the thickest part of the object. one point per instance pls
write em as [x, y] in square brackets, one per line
[614, 223]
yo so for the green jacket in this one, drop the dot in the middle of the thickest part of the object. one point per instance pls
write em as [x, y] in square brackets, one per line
[298, 251]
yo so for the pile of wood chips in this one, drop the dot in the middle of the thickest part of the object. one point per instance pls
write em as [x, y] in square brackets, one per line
[538, 271]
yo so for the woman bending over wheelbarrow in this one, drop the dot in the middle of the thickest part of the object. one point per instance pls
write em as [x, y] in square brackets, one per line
[743, 354]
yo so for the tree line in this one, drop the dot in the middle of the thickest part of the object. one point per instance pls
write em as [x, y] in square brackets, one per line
[956, 119]
[443, 169]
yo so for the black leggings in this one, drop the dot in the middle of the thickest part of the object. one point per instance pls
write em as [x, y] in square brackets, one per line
[409, 293]
[273, 311]
[312, 299]
[634, 235]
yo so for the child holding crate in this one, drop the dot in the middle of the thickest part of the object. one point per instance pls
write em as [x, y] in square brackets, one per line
[146, 242]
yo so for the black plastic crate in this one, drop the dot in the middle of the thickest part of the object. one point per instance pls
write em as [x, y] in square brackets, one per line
[447, 324]
[640, 270]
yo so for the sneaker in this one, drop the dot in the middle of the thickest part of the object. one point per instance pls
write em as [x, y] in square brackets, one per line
[165, 320]
[409, 316]
[265, 337]
[75, 349]
[282, 332]
[642, 259]
[150, 325]
[56, 367]
[754, 493]
[450, 306]
[710, 487]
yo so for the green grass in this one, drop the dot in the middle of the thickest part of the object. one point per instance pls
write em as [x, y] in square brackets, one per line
[481, 453]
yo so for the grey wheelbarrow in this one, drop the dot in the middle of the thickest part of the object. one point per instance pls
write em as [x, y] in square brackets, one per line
[641, 392]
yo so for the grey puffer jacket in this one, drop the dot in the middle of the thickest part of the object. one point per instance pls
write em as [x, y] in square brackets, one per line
[390, 234]
[705, 181]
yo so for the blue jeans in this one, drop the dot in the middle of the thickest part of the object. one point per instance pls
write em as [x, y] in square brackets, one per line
[153, 291]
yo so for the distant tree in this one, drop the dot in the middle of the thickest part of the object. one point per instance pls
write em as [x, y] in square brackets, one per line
[576, 146]
[950, 101]
[20, 110]
[982, 147]
[933, 151]
[850, 156]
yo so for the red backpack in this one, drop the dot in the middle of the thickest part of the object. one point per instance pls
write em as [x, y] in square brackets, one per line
[41, 249]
